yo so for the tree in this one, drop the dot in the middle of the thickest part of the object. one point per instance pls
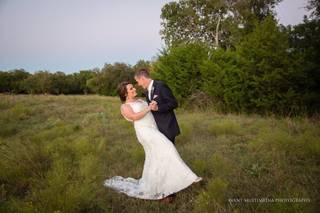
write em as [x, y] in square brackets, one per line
[222, 80]
[179, 67]
[314, 6]
[79, 81]
[142, 64]
[107, 80]
[58, 83]
[305, 42]
[11, 81]
[264, 74]
[37, 83]
[4, 81]
[270, 72]
[218, 23]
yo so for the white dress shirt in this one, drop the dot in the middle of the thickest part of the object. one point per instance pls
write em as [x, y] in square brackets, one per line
[149, 89]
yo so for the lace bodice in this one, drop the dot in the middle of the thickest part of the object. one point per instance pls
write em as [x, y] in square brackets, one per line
[147, 120]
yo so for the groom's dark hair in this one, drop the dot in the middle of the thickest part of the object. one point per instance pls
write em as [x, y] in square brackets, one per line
[142, 72]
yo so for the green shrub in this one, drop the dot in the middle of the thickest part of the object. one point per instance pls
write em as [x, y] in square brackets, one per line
[179, 68]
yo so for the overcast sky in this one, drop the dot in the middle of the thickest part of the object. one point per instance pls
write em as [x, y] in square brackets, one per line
[72, 35]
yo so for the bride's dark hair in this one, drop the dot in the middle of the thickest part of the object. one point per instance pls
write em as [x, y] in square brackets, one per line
[122, 90]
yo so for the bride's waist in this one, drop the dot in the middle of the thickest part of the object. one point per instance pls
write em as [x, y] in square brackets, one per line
[144, 124]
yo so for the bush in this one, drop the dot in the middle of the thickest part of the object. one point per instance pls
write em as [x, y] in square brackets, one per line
[222, 80]
[260, 76]
[179, 67]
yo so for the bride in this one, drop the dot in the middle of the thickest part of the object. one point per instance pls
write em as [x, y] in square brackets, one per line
[164, 172]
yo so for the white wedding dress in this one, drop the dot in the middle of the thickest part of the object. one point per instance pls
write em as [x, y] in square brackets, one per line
[164, 172]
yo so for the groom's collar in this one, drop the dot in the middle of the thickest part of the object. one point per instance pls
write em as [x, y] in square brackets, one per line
[150, 85]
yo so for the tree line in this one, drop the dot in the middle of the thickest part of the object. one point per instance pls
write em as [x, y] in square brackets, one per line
[102, 81]
[233, 55]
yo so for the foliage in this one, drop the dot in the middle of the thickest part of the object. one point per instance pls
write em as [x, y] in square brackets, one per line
[102, 81]
[37, 83]
[142, 64]
[12, 81]
[314, 6]
[305, 42]
[272, 70]
[179, 66]
[269, 71]
[218, 23]
[222, 80]
[107, 80]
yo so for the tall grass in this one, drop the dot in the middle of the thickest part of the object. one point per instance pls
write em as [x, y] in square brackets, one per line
[56, 151]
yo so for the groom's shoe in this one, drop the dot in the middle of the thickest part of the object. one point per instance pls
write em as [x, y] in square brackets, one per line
[173, 195]
[168, 199]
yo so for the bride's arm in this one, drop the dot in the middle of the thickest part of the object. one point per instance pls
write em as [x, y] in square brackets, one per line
[127, 112]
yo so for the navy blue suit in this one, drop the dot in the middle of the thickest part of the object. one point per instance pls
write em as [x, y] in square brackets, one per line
[164, 117]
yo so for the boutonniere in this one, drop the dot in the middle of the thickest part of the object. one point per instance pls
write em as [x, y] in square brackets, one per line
[154, 97]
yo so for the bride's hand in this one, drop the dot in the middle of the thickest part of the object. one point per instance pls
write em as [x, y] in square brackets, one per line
[153, 106]
[149, 108]
[153, 102]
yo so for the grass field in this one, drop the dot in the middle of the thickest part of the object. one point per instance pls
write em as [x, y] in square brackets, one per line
[56, 151]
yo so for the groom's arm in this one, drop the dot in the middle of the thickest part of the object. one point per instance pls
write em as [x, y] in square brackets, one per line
[168, 101]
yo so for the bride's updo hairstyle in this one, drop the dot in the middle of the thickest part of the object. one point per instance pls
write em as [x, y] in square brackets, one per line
[122, 90]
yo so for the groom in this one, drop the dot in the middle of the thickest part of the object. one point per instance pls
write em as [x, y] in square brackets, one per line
[162, 101]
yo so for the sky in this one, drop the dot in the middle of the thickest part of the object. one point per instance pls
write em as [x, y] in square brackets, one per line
[74, 35]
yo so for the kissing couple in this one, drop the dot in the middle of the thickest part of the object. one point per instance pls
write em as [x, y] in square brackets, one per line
[164, 172]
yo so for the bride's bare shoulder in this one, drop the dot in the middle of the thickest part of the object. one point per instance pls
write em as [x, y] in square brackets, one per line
[124, 105]
[126, 111]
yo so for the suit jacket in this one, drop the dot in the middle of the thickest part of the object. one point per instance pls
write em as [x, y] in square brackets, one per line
[164, 117]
